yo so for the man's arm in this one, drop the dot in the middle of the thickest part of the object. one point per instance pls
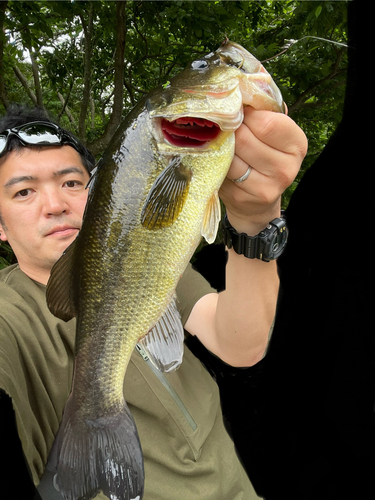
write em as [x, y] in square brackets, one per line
[235, 324]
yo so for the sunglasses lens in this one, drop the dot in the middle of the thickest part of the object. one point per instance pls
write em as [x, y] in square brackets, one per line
[39, 133]
[3, 143]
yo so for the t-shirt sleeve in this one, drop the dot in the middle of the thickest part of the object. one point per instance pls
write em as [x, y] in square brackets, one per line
[191, 287]
[13, 381]
[9, 358]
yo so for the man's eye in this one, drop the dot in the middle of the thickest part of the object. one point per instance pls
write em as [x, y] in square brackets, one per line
[72, 184]
[23, 193]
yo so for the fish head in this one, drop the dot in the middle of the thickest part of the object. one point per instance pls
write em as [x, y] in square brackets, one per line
[208, 98]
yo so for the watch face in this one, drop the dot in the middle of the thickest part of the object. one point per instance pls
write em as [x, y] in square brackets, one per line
[279, 243]
[279, 240]
[275, 243]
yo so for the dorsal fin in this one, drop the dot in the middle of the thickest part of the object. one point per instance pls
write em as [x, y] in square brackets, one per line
[59, 287]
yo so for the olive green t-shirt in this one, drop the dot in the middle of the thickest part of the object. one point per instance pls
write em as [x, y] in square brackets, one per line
[187, 451]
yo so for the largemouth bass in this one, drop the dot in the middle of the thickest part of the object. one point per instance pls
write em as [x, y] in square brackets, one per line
[153, 196]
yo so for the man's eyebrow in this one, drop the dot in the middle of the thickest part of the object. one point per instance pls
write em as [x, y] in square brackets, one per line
[69, 170]
[16, 180]
[28, 178]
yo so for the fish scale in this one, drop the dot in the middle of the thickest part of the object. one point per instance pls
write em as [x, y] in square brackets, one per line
[150, 202]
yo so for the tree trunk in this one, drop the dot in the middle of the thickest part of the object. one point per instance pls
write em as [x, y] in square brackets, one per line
[3, 96]
[118, 94]
[25, 85]
[119, 68]
[87, 28]
[38, 88]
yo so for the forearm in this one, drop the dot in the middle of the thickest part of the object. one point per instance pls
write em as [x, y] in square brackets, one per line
[246, 309]
[235, 324]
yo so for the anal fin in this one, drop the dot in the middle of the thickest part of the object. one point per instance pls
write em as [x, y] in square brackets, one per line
[164, 343]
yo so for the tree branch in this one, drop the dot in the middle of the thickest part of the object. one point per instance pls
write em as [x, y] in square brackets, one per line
[65, 107]
[25, 84]
[307, 93]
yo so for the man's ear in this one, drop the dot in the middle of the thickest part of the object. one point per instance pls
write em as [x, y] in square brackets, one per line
[3, 236]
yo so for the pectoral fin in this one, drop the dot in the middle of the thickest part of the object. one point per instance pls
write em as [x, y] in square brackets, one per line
[211, 218]
[164, 344]
[59, 289]
[167, 196]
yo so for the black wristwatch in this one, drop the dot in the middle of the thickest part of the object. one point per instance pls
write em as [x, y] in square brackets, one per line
[268, 245]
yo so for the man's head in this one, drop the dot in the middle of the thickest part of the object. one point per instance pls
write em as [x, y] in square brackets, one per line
[42, 189]
[32, 127]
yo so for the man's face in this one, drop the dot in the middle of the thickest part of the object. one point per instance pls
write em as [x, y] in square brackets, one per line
[42, 200]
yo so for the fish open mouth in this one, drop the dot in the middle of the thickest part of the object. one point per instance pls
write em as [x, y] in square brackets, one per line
[189, 132]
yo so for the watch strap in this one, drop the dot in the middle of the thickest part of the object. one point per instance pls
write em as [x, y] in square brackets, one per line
[242, 243]
[252, 247]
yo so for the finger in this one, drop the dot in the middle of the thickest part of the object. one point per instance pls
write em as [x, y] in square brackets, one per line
[276, 130]
[250, 151]
[264, 157]
[268, 167]
[257, 188]
[238, 168]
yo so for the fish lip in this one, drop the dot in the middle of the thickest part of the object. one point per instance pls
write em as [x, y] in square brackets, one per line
[208, 103]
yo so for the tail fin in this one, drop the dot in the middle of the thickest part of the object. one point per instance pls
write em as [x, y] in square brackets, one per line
[102, 454]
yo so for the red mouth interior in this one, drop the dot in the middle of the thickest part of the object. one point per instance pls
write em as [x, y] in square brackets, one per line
[189, 132]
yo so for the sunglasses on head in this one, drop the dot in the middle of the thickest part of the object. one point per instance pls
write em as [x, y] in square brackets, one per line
[38, 134]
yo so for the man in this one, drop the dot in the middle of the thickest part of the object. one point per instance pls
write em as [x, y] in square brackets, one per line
[187, 451]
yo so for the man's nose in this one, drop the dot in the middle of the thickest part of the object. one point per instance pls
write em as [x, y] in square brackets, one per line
[54, 203]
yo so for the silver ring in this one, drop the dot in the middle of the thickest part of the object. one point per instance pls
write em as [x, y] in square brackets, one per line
[243, 177]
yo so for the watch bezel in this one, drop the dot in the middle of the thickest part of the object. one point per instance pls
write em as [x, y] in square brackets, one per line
[276, 229]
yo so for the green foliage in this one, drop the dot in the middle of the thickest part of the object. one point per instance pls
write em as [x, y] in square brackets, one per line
[6, 255]
[160, 38]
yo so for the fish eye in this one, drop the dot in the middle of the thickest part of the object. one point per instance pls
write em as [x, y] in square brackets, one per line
[200, 64]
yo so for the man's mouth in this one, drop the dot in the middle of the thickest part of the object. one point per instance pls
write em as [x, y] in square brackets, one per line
[189, 132]
[62, 231]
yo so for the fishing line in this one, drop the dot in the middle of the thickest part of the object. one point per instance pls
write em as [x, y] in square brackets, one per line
[292, 42]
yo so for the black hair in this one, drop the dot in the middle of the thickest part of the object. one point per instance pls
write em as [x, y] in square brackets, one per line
[17, 115]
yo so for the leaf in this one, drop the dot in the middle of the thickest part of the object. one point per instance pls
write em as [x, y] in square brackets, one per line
[162, 38]
[3, 263]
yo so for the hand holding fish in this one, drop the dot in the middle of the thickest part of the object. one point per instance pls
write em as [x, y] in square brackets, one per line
[273, 145]
[235, 324]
